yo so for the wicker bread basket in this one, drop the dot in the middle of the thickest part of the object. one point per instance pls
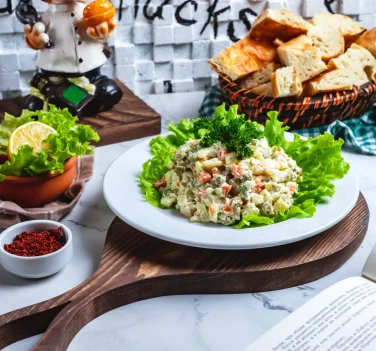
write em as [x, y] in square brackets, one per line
[302, 112]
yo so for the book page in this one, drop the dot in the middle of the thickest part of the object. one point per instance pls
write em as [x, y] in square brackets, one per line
[369, 270]
[341, 318]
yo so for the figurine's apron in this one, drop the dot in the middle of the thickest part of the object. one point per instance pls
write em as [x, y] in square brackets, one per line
[73, 50]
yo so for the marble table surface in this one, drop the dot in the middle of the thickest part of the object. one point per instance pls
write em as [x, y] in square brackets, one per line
[184, 323]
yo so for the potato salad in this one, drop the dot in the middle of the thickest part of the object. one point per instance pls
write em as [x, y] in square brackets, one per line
[210, 184]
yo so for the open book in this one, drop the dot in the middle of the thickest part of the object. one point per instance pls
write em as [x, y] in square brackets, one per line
[341, 318]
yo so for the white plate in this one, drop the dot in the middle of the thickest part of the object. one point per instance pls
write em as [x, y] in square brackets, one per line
[121, 191]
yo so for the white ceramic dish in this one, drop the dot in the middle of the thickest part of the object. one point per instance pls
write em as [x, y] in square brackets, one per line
[39, 266]
[121, 191]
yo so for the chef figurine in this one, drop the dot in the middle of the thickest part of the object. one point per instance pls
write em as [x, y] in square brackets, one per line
[70, 39]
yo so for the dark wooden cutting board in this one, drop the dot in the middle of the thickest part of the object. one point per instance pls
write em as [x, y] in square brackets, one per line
[130, 119]
[136, 267]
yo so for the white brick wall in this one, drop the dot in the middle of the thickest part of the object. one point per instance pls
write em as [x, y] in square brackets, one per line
[8, 63]
[167, 54]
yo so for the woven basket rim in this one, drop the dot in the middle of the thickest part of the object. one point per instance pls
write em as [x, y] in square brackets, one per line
[226, 84]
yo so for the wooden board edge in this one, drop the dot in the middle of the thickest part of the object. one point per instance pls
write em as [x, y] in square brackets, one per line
[129, 132]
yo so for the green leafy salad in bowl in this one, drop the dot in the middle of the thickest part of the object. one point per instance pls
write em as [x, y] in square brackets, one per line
[233, 171]
[42, 141]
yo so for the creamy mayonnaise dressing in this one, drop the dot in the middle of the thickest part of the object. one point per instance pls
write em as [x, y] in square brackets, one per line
[212, 185]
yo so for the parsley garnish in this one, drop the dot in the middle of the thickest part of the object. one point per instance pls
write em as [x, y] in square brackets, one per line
[230, 128]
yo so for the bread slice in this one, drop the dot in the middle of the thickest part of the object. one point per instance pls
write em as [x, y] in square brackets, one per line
[259, 77]
[350, 29]
[330, 41]
[356, 55]
[242, 58]
[278, 23]
[302, 42]
[300, 53]
[285, 82]
[339, 79]
[368, 41]
[263, 89]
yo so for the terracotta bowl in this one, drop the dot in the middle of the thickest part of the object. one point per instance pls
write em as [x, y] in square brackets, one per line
[302, 112]
[39, 189]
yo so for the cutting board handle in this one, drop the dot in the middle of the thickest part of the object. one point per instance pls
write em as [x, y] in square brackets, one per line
[35, 319]
[75, 315]
[29, 321]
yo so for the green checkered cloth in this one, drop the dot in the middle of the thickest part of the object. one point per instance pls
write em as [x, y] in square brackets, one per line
[359, 134]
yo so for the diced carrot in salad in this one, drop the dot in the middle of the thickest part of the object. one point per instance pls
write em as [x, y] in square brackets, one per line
[227, 208]
[258, 188]
[237, 170]
[211, 210]
[204, 177]
[226, 189]
[160, 183]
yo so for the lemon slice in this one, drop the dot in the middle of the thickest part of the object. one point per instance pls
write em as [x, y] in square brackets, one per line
[31, 133]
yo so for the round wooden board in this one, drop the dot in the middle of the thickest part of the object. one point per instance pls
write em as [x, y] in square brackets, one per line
[136, 266]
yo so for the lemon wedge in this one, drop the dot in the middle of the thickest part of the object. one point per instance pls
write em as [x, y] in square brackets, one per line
[31, 133]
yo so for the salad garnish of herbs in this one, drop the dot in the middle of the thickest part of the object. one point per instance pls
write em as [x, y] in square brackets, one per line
[233, 171]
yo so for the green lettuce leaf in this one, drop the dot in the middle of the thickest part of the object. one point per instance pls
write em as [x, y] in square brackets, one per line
[154, 168]
[320, 159]
[71, 140]
[25, 163]
[274, 132]
[253, 220]
[182, 132]
[304, 210]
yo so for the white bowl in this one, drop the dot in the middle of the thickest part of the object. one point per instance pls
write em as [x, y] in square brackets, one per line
[38, 266]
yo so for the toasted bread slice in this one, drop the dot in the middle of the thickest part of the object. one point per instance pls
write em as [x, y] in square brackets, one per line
[263, 89]
[339, 79]
[300, 53]
[244, 57]
[356, 55]
[302, 42]
[308, 62]
[278, 23]
[285, 82]
[368, 41]
[259, 77]
[330, 41]
[350, 29]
